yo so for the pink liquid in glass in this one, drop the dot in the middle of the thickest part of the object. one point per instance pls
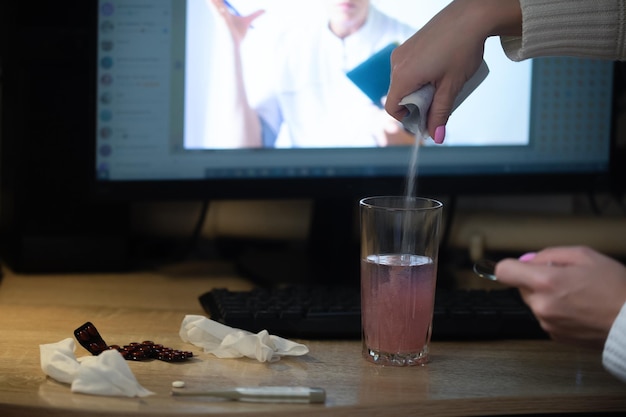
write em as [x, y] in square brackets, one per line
[397, 299]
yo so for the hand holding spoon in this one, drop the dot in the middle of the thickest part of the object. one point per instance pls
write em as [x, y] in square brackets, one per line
[485, 268]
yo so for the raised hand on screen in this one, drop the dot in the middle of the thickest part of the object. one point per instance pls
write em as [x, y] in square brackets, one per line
[238, 25]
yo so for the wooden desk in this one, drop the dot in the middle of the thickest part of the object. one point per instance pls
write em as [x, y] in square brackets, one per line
[469, 378]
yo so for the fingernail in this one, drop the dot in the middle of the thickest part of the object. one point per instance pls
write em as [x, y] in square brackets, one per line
[440, 134]
[527, 257]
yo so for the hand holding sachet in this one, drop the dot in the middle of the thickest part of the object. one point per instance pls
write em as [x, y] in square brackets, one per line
[418, 103]
[373, 77]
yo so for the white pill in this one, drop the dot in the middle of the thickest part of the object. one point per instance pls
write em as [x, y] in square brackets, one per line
[178, 384]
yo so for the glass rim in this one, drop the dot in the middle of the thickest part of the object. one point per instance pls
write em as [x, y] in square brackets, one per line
[398, 202]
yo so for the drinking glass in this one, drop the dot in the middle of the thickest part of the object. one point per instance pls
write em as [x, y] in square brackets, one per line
[399, 250]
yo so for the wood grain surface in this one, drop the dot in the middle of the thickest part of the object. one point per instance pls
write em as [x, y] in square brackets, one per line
[463, 378]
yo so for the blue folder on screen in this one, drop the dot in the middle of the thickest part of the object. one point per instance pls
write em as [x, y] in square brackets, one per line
[374, 74]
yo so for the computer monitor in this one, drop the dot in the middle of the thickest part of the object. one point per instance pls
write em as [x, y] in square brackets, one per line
[109, 102]
[168, 123]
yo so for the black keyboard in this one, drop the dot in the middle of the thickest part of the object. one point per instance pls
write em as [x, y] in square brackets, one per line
[310, 312]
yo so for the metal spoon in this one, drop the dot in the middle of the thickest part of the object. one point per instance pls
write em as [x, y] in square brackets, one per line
[485, 268]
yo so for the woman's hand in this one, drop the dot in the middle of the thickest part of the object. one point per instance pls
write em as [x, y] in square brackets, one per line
[575, 292]
[446, 52]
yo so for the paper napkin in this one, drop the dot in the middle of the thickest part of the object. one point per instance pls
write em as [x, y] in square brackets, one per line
[105, 374]
[227, 342]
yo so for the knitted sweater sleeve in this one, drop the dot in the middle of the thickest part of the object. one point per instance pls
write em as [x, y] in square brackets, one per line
[614, 354]
[579, 28]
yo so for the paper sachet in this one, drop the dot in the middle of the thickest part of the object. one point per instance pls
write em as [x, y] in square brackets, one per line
[227, 342]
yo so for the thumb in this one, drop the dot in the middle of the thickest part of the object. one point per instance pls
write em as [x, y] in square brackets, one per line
[514, 273]
[251, 18]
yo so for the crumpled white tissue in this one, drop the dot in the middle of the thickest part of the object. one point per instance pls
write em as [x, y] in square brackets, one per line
[227, 342]
[105, 374]
[418, 102]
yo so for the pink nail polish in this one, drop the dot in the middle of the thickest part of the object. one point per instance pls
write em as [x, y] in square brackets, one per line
[527, 257]
[440, 134]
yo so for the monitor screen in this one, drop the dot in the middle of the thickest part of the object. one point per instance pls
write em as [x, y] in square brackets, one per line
[182, 109]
